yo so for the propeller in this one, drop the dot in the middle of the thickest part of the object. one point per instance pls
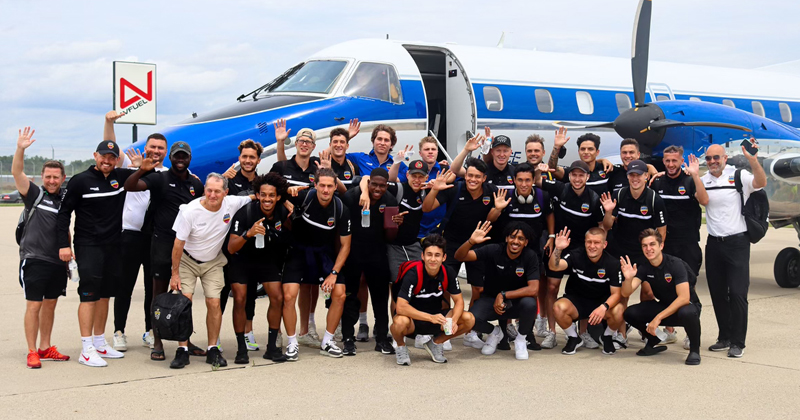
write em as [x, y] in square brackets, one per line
[640, 50]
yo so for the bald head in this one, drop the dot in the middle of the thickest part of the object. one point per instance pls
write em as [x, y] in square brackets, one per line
[716, 159]
[715, 149]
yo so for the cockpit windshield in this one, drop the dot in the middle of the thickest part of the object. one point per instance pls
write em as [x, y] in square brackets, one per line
[311, 77]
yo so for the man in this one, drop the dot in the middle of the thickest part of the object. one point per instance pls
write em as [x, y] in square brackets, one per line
[470, 201]
[618, 175]
[499, 171]
[683, 192]
[345, 170]
[588, 150]
[593, 288]
[421, 295]
[428, 153]
[676, 302]
[368, 257]
[42, 274]
[250, 264]
[728, 246]
[321, 230]
[200, 229]
[534, 149]
[512, 282]
[383, 140]
[97, 198]
[406, 246]
[578, 208]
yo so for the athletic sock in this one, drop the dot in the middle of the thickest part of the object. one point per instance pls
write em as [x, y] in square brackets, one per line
[87, 342]
[184, 347]
[292, 339]
[209, 347]
[609, 331]
[572, 331]
[240, 342]
[272, 338]
[99, 340]
[362, 318]
[311, 318]
[522, 338]
[328, 337]
[497, 331]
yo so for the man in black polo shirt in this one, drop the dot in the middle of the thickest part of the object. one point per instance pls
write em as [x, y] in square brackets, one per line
[421, 296]
[406, 246]
[97, 198]
[368, 257]
[593, 287]
[512, 282]
[499, 172]
[321, 244]
[250, 264]
[577, 208]
[346, 170]
[676, 302]
[168, 191]
[470, 201]
[618, 175]
[588, 150]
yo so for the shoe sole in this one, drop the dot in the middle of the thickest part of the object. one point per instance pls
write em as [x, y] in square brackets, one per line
[719, 349]
[404, 364]
[430, 353]
[54, 360]
[86, 364]
[292, 359]
[106, 356]
[609, 353]
[579, 345]
[692, 363]
[334, 355]
[241, 362]
[256, 348]
[121, 349]
[735, 356]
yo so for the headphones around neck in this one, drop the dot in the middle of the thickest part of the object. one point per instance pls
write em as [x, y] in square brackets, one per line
[525, 200]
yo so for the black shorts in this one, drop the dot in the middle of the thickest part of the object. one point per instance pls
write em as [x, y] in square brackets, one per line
[161, 258]
[475, 269]
[42, 279]
[100, 269]
[295, 268]
[687, 251]
[584, 306]
[243, 272]
[428, 328]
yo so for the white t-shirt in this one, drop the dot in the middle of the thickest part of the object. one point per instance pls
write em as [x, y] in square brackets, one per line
[135, 204]
[204, 231]
[724, 209]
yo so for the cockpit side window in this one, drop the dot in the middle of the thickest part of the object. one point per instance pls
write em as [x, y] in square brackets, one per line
[313, 77]
[376, 81]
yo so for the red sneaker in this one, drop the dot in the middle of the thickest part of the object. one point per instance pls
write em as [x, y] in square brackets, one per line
[52, 354]
[33, 360]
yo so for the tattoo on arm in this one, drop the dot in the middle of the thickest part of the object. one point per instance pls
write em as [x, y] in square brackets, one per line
[557, 255]
[553, 162]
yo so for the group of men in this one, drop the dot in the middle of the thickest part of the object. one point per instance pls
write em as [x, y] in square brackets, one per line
[394, 231]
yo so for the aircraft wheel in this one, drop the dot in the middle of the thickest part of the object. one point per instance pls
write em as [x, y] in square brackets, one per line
[787, 268]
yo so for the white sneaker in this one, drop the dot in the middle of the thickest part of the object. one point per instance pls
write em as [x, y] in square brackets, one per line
[511, 331]
[91, 358]
[148, 340]
[447, 345]
[471, 339]
[686, 343]
[250, 341]
[671, 337]
[292, 352]
[309, 340]
[540, 327]
[491, 343]
[619, 337]
[588, 341]
[120, 341]
[420, 340]
[337, 335]
[312, 331]
[549, 341]
[107, 352]
[521, 349]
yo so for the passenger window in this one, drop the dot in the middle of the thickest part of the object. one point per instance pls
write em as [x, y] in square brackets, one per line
[695, 98]
[623, 102]
[728, 102]
[377, 81]
[758, 109]
[493, 98]
[544, 101]
[662, 98]
[786, 112]
[585, 104]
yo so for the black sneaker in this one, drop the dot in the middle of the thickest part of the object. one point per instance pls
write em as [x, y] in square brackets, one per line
[572, 344]
[503, 344]
[720, 345]
[241, 358]
[735, 351]
[349, 347]
[532, 344]
[181, 359]
[693, 359]
[650, 351]
[276, 355]
[608, 345]
[214, 358]
[384, 346]
[363, 333]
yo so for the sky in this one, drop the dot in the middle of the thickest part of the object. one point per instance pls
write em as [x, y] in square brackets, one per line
[56, 75]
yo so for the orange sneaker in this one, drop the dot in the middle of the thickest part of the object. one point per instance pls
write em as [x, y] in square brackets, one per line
[33, 360]
[52, 354]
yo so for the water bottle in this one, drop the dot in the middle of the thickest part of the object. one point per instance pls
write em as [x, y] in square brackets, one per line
[486, 147]
[259, 241]
[661, 334]
[73, 270]
[365, 218]
[409, 155]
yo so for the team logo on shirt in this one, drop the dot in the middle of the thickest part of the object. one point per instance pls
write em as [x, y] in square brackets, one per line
[520, 271]
[311, 177]
[419, 200]
[278, 226]
[668, 277]
[731, 179]
[485, 201]
[601, 272]
[440, 286]
[191, 190]
[602, 174]
[381, 208]
[584, 207]
[536, 208]
[226, 218]
[114, 183]
[681, 190]
[330, 221]
[508, 178]
[643, 209]
[347, 174]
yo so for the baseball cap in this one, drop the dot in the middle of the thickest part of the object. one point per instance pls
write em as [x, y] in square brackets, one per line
[180, 146]
[306, 132]
[107, 146]
[417, 167]
[579, 164]
[501, 140]
[637, 167]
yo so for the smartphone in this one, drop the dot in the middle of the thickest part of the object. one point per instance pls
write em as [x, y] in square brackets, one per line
[748, 145]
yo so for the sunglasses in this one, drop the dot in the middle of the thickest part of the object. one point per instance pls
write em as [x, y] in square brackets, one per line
[304, 141]
[714, 158]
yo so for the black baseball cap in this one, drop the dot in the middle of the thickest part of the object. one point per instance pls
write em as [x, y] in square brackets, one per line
[580, 165]
[637, 167]
[418, 167]
[107, 146]
[180, 146]
[501, 140]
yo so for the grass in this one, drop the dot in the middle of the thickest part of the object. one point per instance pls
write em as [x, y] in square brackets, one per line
[11, 205]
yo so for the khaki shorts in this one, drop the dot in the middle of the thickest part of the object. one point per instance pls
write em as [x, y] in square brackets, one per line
[210, 274]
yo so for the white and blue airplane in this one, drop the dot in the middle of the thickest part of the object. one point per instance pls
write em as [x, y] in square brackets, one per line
[451, 90]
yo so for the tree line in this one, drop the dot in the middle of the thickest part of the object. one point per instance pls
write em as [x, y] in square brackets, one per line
[33, 165]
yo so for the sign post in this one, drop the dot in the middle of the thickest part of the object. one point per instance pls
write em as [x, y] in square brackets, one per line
[135, 93]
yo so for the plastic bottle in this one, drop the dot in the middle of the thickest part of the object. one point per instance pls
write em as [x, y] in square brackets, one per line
[259, 241]
[73, 270]
[365, 218]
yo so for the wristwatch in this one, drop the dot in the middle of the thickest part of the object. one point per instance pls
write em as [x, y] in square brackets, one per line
[334, 272]
[552, 235]
[504, 295]
[606, 305]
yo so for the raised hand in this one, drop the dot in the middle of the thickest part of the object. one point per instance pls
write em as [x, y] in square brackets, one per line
[500, 201]
[281, 133]
[608, 203]
[488, 132]
[324, 159]
[401, 155]
[561, 137]
[474, 143]
[113, 116]
[231, 172]
[479, 235]
[440, 183]
[693, 166]
[25, 139]
[628, 270]
[147, 164]
[135, 156]
[562, 239]
[355, 127]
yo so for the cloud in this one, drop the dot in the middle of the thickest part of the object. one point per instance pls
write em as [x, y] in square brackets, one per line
[73, 51]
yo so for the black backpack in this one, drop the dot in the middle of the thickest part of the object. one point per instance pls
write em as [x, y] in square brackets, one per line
[26, 215]
[172, 316]
[755, 210]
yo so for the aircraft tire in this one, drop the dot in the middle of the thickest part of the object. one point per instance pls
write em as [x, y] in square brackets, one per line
[787, 268]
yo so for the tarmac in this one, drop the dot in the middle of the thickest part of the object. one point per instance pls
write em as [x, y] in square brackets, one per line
[765, 383]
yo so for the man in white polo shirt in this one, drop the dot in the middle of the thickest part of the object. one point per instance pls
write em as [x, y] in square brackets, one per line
[200, 230]
[728, 247]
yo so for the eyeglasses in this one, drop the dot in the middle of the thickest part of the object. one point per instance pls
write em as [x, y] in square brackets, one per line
[714, 158]
[304, 141]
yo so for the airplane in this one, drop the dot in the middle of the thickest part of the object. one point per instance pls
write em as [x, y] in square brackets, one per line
[450, 91]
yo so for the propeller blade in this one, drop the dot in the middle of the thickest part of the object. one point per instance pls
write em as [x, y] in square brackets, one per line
[640, 50]
[662, 124]
[576, 125]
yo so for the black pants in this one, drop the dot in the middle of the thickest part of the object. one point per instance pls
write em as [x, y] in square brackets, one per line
[523, 309]
[688, 251]
[250, 304]
[376, 273]
[135, 249]
[688, 317]
[728, 274]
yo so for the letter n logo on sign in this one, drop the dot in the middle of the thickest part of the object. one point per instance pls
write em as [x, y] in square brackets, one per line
[135, 92]
[147, 95]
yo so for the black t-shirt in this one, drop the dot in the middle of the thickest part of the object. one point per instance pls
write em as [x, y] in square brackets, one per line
[664, 278]
[346, 173]
[167, 193]
[503, 273]
[293, 173]
[592, 280]
[39, 239]
[276, 239]
[501, 179]
[598, 180]
[317, 226]
[683, 209]
[467, 212]
[534, 214]
[635, 215]
[430, 297]
[411, 202]
[240, 185]
[370, 240]
[579, 213]
[617, 179]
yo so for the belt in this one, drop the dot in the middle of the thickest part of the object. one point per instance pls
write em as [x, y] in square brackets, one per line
[727, 238]
[193, 258]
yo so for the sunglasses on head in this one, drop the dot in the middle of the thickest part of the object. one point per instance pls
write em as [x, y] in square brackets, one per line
[715, 158]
